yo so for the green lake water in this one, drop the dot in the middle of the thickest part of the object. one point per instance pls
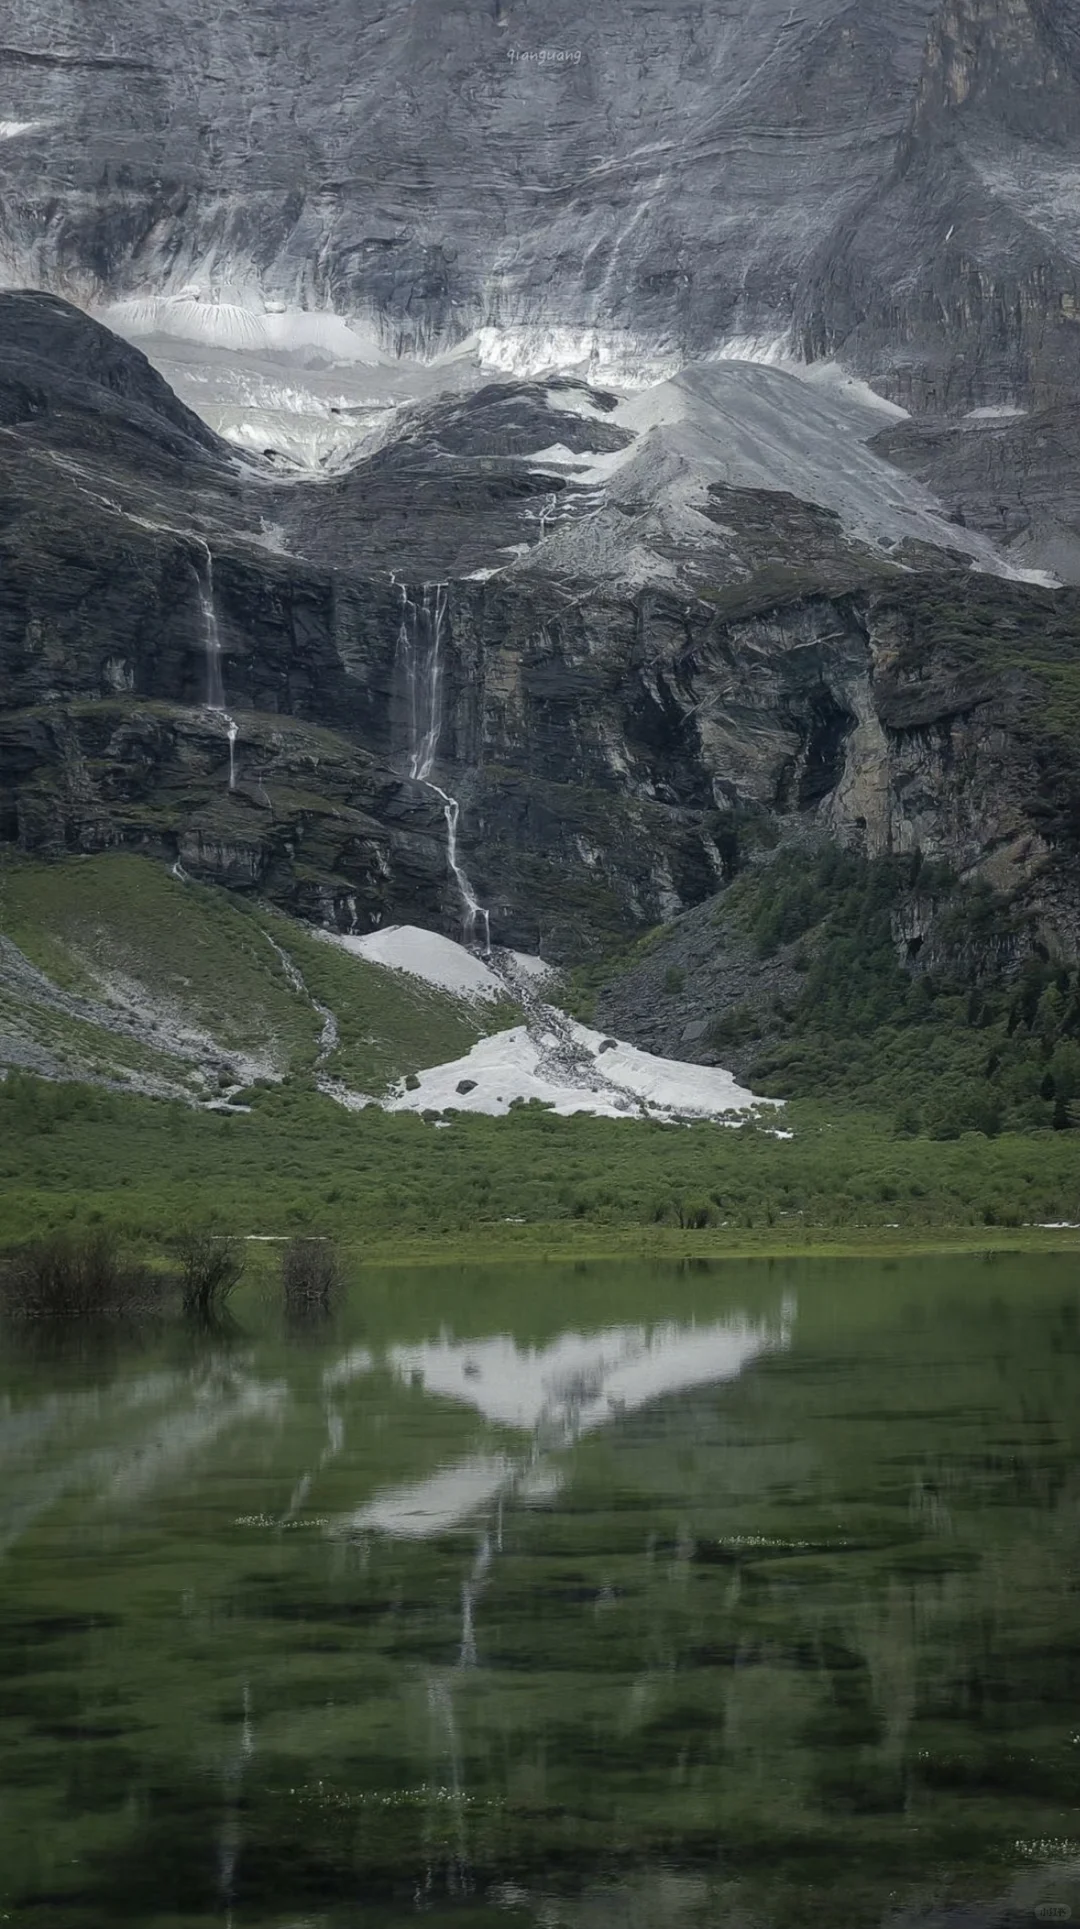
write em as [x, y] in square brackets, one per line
[597, 1595]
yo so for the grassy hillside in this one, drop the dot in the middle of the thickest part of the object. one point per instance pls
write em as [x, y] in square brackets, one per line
[162, 986]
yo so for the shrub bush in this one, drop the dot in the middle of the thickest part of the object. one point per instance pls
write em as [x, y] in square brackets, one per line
[310, 1278]
[211, 1266]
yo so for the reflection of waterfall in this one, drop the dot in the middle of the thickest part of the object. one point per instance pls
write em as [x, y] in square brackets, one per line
[230, 1838]
[469, 1592]
[441, 1703]
[421, 639]
[177, 1417]
[335, 1441]
[215, 681]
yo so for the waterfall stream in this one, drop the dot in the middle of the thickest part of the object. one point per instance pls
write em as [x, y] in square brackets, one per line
[421, 638]
[215, 681]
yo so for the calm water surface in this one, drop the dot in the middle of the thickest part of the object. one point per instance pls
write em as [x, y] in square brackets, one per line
[589, 1596]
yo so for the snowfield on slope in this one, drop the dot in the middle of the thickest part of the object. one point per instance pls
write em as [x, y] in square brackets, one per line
[438, 960]
[427, 955]
[550, 1058]
[621, 1082]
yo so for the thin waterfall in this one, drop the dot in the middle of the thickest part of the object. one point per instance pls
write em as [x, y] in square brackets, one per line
[215, 681]
[475, 912]
[421, 638]
[424, 669]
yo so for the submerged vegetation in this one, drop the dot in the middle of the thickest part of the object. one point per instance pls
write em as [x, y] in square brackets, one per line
[92, 1274]
[311, 1279]
[75, 1276]
[211, 1268]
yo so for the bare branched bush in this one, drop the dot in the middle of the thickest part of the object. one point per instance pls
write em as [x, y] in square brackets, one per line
[211, 1266]
[310, 1278]
[74, 1276]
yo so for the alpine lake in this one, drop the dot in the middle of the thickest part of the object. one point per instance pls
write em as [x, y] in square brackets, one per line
[584, 1595]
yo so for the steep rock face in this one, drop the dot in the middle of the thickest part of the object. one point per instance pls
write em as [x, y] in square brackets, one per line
[604, 755]
[616, 743]
[1014, 477]
[892, 179]
[955, 280]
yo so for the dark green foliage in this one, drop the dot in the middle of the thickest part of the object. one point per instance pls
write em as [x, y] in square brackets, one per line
[950, 1036]
[299, 1162]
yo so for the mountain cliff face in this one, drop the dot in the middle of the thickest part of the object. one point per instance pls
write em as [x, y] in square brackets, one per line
[619, 737]
[650, 569]
[893, 181]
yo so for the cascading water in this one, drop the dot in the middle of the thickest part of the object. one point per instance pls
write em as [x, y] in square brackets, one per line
[215, 681]
[420, 648]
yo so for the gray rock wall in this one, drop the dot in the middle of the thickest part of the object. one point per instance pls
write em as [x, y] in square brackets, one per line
[891, 179]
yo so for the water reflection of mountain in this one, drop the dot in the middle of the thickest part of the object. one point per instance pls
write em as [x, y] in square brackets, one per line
[743, 1622]
[116, 1444]
[555, 1394]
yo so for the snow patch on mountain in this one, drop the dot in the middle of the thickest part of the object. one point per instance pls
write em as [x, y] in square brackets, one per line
[606, 1078]
[613, 356]
[550, 1058]
[426, 955]
[1001, 412]
[747, 425]
[242, 325]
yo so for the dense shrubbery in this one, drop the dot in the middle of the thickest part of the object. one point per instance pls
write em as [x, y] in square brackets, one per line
[298, 1164]
[964, 1044]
